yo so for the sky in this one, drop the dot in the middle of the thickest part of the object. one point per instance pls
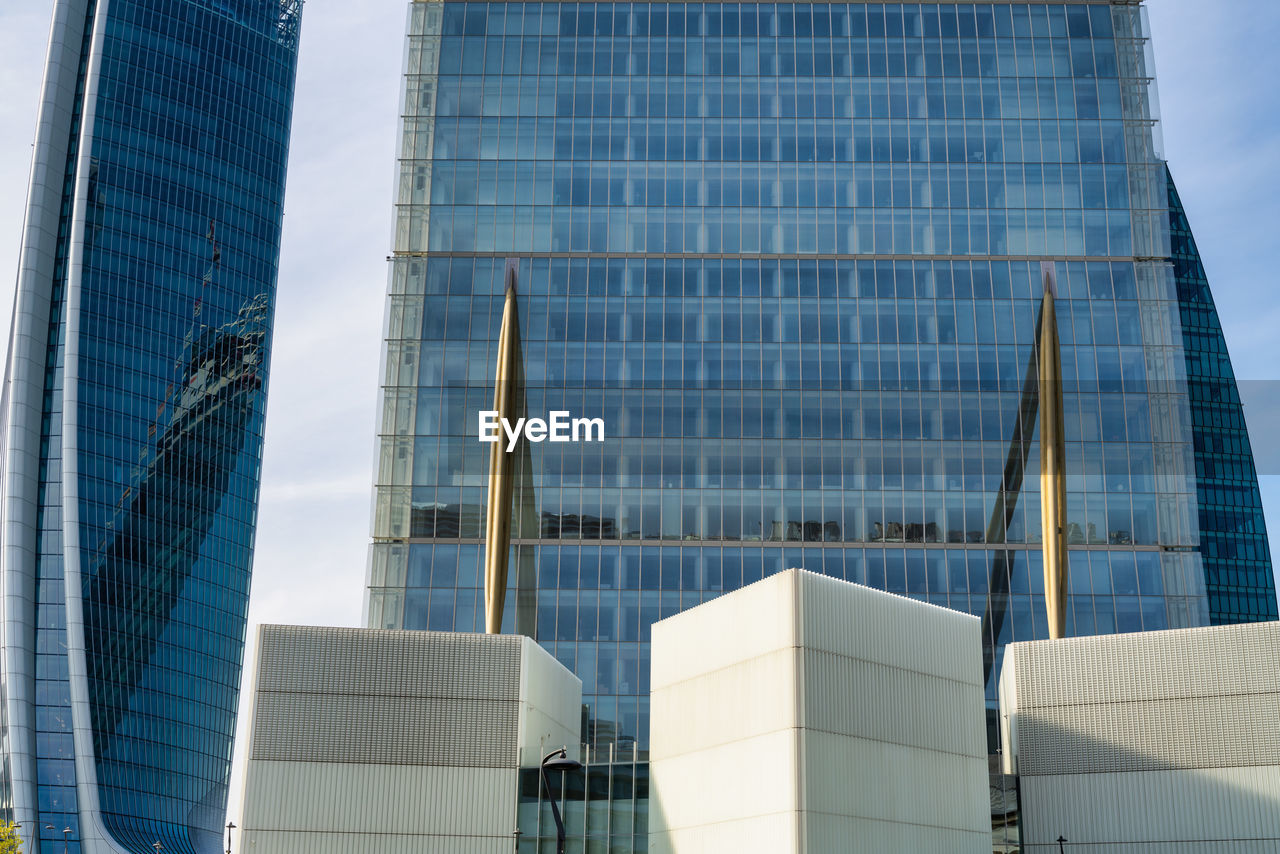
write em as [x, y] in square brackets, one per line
[1220, 108]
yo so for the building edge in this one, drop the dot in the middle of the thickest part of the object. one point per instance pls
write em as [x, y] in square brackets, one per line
[22, 402]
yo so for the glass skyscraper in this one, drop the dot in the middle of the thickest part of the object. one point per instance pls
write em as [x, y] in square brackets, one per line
[791, 254]
[1239, 579]
[133, 413]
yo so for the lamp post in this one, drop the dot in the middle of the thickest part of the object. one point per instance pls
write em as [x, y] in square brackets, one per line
[230, 827]
[66, 840]
[1060, 840]
[557, 760]
[158, 846]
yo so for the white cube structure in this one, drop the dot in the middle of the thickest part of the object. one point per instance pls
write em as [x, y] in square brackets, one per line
[366, 741]
[810, 715]
[1156, 743]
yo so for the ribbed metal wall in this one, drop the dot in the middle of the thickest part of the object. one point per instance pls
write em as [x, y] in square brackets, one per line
[352, 695]
[828, 715]
[390, 742]
[1160, 741]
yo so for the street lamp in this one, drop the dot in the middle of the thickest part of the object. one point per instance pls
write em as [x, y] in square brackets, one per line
[557, 760]
[66, 837]
[1060, 840]
[230, 827]
[158, 846]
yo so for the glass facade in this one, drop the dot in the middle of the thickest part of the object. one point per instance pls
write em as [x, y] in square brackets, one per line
[153, 362]
[1233, 532]
[791, 255]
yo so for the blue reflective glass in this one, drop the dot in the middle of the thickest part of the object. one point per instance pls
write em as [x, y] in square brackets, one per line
[792, 254]
[156, 356]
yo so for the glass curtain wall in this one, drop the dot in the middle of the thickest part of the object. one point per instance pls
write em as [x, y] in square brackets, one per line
[1233, 531]
[791, 255]
[127, 593]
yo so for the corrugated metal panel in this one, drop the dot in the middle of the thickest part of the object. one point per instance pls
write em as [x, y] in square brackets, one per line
[774, 834]
[1148, 665]
[893, 630]
[804, 713]
[276, 842]
[1162, 741]
[1221, 805]
[911, 708]
[320, 659]
[1197, 732]
[876, 781]
[1191, 698]
[551, 705]
[728, 783]
[755, 691]
[748, 623]
[838, 833]
[336, 727]
[395, 742]
[382, 799]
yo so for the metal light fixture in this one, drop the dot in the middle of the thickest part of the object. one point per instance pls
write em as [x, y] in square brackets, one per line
[557, 760]
[230, 827]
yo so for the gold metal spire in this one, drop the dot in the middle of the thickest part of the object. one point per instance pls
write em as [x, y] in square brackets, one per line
[497, 533]
[1053, 482]
[1041, 399]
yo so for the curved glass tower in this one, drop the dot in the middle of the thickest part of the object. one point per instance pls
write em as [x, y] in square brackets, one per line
[1239, 579]
[133, 412]
[791, 254]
